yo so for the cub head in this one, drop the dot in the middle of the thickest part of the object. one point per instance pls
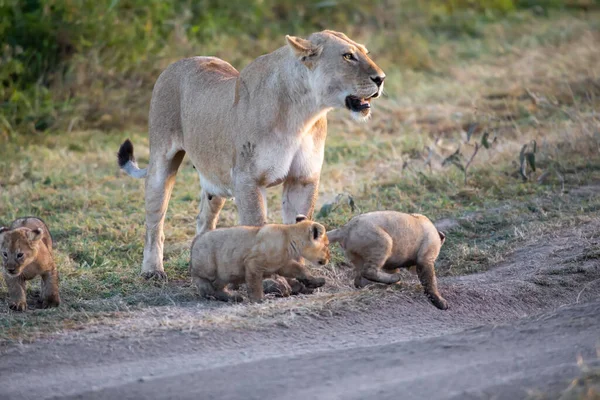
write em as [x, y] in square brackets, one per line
[316, 248]
[18, 248]
[340, 71]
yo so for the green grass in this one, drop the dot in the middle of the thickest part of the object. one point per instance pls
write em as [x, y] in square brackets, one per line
[96, 213]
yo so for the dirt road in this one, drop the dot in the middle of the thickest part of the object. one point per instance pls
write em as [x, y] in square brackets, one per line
[514, 330]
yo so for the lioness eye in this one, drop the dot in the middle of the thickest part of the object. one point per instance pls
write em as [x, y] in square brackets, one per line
[348, 56]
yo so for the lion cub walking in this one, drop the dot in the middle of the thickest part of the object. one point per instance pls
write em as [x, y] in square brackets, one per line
[378, 243]
[250, 253]
[26, 253]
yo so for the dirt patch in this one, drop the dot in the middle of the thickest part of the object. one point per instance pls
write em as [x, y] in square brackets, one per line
[549, 273]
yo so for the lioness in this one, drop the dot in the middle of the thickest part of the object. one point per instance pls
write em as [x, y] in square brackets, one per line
[390, 240]
[251, 253]
[26, 253]
[250, 130]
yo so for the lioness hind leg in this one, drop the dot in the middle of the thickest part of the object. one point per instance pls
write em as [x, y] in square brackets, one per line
[426, 273]
[159, 185]
[210, 207]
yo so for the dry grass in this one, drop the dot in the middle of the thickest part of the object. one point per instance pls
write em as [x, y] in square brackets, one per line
[542, 88]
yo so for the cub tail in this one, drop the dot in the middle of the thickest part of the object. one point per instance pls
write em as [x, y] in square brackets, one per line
[127, 162]
[442, 236]
[334, 236]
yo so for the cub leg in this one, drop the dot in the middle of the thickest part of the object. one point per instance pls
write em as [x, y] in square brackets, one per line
[50, 296]
[299, 197]
[426, 273]
[159, 185]
[208, 215]
[16, 292]
[254, 278]
[375, 259]
[221, 293]
[295, 269]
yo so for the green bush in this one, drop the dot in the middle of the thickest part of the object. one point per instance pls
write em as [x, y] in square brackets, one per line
[57, 52]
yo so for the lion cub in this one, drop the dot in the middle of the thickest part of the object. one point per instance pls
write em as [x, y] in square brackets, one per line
[378, 243]
[26, 249]
[251, 253]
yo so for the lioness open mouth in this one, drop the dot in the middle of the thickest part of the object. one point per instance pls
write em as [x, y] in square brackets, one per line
[358, 104]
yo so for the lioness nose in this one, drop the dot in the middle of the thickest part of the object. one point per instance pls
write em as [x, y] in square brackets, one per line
[378, 79]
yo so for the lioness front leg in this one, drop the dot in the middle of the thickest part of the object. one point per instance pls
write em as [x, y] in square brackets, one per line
[16, 292]
[210, 207]
[295, 269]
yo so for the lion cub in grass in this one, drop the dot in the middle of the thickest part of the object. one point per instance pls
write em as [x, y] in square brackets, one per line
[250, 253]
[26, 249]
[378, 243]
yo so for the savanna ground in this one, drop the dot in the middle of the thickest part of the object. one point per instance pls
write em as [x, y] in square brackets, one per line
[456, 140]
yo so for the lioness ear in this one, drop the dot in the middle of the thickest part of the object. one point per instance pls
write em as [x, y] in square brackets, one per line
[317, 231]
[302, 48]
[34, 234]
[300, 218]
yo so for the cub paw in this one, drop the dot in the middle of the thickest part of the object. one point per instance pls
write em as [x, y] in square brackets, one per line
[19, 306]
[313, 283]
[439, 302]
[278, 287]
[51, 302]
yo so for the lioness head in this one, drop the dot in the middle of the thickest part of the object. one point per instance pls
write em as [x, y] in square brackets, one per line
[341, 71]
[316, 249]
[18, 248]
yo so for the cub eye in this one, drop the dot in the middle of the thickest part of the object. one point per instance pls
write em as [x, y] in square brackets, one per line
[19, 256]
[4, 254]
[349, 57]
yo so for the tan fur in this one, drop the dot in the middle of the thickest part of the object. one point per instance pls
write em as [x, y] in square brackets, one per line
[378, 243]
[249, 130]
[249, 254]
[30, 237]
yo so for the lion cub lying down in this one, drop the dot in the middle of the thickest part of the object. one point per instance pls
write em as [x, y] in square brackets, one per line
[250, 253]
[26, 249]
[378, 243]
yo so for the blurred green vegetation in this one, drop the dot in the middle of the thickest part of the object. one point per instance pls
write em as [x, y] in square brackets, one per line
[63, 62]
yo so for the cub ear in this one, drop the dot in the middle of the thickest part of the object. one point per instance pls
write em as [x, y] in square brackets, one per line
[3, 229]
[35, 234]
[317, 231]
[303, 49]
[300, 218]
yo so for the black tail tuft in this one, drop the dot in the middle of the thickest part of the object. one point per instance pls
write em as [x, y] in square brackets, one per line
[125, 153]
[442, 236]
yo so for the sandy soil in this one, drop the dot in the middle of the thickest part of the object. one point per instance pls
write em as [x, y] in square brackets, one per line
[511, 331]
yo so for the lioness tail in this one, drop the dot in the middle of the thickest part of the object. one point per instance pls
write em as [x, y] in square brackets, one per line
[127, 161]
